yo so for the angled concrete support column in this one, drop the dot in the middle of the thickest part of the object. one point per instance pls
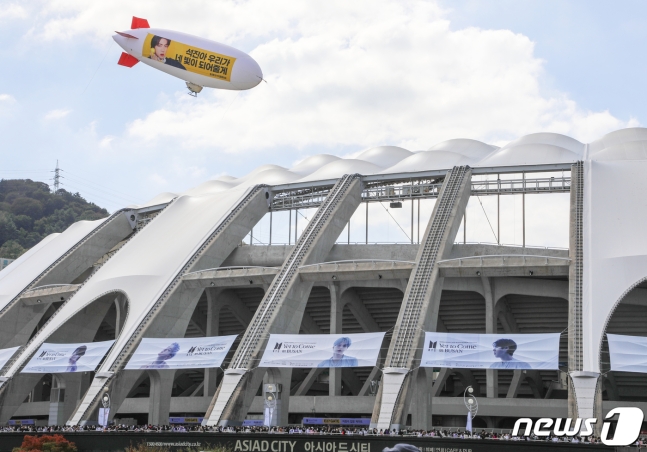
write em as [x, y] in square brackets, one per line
[439, 382]
[159, 402]
[169, 302]
[240, 386]
[419, 311]
[517, 380]
[121, 386]
[307, 383]
[283, 306]
[19, 322]
[18, 317]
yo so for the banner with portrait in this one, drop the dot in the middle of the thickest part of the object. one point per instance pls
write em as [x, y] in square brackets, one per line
[188, 57]
[322, 350]
[491, 351]
[181, 353]
[628, 353]
[6, 354]
[66, 358]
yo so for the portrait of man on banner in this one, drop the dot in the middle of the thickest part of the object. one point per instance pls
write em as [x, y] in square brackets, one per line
[504, 349]
[159, 51]
[163, 356]
[314, 350]
[339, 358]
[76, 356]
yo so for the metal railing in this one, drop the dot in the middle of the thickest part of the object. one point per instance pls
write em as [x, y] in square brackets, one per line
[424, 189]
[357, 261]
[235, 267]
[503, 257]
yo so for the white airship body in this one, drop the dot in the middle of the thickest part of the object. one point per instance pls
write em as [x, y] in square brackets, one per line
[198, 61]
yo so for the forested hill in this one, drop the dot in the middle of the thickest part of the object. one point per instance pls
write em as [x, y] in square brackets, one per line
[29, 211]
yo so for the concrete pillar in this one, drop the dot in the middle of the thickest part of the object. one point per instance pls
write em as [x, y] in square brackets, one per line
[159, 402]
[36, 394]
[421, 402]
[336, 315]
[56, 401]
[492, 376]
[75, 385]
[213, 329]
[65, 395]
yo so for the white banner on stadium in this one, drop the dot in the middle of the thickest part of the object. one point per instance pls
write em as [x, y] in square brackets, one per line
[65, 358]
[6, 354]
[322, 350]
[182, 353]
[628, 353]
[491, 351]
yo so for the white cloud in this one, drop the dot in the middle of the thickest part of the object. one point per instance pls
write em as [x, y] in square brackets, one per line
[397, 63]
[56, 114]
[105, 141]
[341, 77]
[7, 99]
[381, 73]
[12, 11]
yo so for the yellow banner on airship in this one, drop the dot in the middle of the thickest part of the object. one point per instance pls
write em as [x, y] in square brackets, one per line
[190, 58]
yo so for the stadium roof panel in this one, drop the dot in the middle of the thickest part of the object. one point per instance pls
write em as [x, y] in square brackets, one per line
[536, 149]
[624, 144]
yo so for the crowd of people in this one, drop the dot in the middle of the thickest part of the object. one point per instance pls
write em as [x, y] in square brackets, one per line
[303, 430]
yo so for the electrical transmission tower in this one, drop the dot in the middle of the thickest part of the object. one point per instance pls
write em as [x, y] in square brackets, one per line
[57, 177]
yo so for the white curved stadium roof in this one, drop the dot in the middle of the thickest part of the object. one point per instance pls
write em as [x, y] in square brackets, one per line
[145, 266]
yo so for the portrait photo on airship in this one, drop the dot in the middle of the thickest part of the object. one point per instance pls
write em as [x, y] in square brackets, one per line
[198, 61]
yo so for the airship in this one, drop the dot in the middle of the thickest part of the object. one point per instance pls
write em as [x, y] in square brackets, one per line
[199, 62]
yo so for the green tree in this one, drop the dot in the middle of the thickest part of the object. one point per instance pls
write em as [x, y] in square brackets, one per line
[29, 212]
[11, 250]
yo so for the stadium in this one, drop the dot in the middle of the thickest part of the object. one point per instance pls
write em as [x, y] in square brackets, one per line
[291, 251]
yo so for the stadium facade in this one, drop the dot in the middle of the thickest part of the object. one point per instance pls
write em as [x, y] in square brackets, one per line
[178, 266]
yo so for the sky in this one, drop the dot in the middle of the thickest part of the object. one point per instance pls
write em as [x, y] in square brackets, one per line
[341, 77]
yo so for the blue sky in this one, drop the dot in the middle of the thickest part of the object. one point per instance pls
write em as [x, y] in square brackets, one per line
[592, 49]
[341, 78]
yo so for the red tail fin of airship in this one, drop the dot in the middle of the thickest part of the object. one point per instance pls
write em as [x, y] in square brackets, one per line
[127, 60]
[139, 23]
